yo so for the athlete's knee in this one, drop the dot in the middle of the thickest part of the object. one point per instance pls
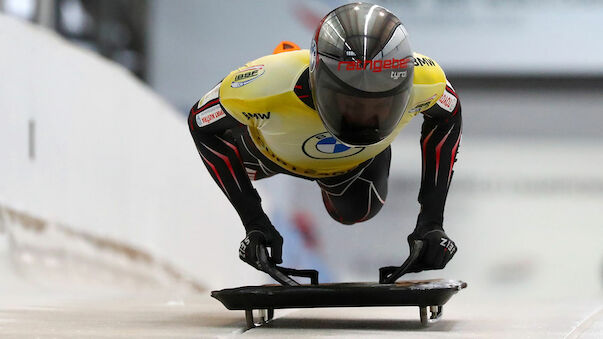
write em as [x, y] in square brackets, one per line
[350, 211]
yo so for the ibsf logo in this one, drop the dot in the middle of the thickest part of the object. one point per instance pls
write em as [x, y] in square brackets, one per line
[247, 75]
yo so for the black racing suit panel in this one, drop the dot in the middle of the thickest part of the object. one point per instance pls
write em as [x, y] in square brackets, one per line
[440, 139]
[221, 147]
[359, 194]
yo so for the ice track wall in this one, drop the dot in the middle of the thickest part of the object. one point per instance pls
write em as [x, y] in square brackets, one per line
[84, 143]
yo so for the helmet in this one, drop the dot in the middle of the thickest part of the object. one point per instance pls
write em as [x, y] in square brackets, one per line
[361, 72]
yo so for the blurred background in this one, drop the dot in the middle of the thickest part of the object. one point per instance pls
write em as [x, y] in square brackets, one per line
[101, 182]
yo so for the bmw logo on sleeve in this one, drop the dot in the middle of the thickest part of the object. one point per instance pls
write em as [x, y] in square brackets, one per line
[325, 146]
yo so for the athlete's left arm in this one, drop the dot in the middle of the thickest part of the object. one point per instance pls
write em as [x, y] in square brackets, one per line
[440, 139]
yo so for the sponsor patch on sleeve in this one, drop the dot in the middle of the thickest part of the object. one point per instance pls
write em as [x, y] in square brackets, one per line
[421, 106]
[211, 95]
[247, 75]
[447, 101]
[210, 115]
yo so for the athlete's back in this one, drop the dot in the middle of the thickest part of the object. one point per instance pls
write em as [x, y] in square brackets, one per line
[271, 96]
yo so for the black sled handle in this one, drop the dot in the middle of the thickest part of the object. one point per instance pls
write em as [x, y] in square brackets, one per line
[282, 274]
[389, 274]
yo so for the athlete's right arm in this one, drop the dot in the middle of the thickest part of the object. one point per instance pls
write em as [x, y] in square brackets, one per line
[211, 127]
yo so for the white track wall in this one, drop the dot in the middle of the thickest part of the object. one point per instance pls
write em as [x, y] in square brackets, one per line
[110, 157]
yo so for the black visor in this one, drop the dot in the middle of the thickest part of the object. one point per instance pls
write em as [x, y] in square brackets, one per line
[356, 117]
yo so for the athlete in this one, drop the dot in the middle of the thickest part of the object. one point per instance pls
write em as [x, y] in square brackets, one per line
[329, 115]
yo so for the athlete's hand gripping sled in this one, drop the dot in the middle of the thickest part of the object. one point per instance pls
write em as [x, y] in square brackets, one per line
[389, 274]
[283, 274]
[432, 294]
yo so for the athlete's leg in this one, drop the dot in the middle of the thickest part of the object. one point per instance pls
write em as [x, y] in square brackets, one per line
[359, 195]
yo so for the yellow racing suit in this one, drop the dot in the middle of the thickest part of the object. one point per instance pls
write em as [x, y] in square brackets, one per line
[260, 120]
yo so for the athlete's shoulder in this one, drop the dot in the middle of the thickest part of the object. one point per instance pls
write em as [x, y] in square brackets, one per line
[427, 71]
[429, 82]
[264, 77]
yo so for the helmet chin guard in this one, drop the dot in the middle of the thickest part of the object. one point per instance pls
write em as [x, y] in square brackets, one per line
[361, 71]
